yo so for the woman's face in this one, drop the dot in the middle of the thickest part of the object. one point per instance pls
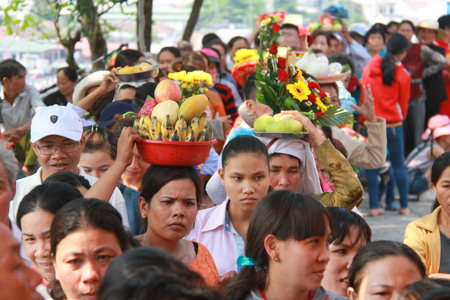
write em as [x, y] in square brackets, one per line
[442, 189]
[239, 44]
[135, 172]
[284, 172]
[386, 278]
[246, 179]
[64, 84]
[375, 42]
[334, 97]
[81, 260]
[223, 54]
[172, 211]
[406, 30]
[320, 43]
[335, 46]
[165, 59]
[302, 263]
[95, 164]
[341, 257]
[36, 241]
[426, 36]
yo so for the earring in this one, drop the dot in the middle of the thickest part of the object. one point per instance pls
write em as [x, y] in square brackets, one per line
[144, 215]
[276, 259]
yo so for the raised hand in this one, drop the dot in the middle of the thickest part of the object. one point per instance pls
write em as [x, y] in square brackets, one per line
[367, 109]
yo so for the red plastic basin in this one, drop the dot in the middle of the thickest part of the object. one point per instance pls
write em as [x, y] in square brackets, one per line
[167, 153]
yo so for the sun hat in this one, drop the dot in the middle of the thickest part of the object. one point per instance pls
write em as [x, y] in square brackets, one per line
[108, 115]
[56, 120]
[212, 55]
[93, 80]
[439, 125]
[358, 28]
[434, 25]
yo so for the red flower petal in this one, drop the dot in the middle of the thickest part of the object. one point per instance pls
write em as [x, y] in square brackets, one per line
[313, 85]
[282, 75]
[319, 114]
[322, 94]
[276, 28]
[312, 97]
[273, 49]
[281, 63]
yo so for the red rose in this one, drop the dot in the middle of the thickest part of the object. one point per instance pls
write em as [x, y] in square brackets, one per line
[312, 97]
[276, 28]
[322, 94]
[282, 75]
[273, 49]
[319, 114]
[313, 85]
[281, 63]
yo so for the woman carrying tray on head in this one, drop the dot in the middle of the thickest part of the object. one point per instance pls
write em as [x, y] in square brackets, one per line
[292, 167]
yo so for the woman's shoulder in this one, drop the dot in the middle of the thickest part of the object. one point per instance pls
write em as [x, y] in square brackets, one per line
[427, 222]
[204, 264]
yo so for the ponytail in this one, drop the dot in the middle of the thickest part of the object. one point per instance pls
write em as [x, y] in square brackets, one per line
[245, 281]
[388, 68]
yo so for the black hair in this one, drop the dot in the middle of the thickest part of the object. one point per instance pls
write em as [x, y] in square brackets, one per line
[397, 43]
[317, 51]
[419, 288]
[316, 33]
[137, 103]
[208, 38]
[442, 293]
[9, 68]
[69, 178]
[49, 197]
[343, 59]
[69, 72]
[286, 215]
[290, 26]
[234, 40]
[147, 89]
[250, 87]
[440, 164]
[409, 23]
[100, 138]
[128, 57]
[344, 221]
[392, 23]
[374, 30]
[217, 42]
[150, 273]
[379, 26]
[156, 177]
[378, 250]
[444, 22]
[243, 144]
[172, 50]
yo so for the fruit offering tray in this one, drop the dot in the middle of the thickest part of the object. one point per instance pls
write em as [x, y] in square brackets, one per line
[280, 135]
[143, 71]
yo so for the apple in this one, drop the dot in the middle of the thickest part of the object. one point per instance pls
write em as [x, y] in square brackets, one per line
[167, 90]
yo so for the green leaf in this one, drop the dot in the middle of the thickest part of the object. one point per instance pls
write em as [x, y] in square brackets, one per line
[9, 30]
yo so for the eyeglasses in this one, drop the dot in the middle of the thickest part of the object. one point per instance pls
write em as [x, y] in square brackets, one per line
[67, 147]
[325, 173]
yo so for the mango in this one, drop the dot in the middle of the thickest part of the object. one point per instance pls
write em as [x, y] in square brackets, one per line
[195, 105]
[129, 70]
[143, 66]
[167, 90]
[165, 108]
[263, 122]
[285, 125]
[277, 117]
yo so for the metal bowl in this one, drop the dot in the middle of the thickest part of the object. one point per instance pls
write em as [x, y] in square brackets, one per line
[152, 73]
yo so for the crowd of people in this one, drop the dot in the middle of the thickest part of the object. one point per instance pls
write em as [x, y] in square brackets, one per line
[83, 216]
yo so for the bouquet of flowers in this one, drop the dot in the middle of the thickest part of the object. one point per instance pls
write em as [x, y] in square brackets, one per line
[281, 84]
[192, 83]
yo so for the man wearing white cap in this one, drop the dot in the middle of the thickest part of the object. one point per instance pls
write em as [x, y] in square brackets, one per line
[57, 139]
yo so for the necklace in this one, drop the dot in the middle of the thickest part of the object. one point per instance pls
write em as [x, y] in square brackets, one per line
[178, 249]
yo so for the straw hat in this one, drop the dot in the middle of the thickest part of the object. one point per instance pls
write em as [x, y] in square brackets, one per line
[434, 25]
[93, 80]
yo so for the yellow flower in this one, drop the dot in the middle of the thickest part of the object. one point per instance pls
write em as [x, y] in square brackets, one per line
[326, 100]
[277, 18]
[266, 21]
[205, 90]
[299, 90]
[184, 85]
[299, 76]
[322, 106]
[188, 78]
[245, 55]
[170, 75]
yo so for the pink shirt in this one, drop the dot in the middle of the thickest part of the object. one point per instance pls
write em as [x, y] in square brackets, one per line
[210, 230]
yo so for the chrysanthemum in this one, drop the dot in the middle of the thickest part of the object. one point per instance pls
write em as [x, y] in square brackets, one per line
[299, 90]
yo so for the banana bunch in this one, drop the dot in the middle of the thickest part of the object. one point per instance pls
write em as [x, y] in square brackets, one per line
[197, 130]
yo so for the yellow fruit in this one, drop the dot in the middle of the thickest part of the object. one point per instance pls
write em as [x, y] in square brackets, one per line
[155, 128]
[203, 136]
[166, 128]
[195, 126]
[262, 122]
[195, 105]
[129, 70]
[285, 125]
[203, 121]
[161, 110]
[181, 127]
[277, 117]
[144, 67]
[190, 137]
[175, 137]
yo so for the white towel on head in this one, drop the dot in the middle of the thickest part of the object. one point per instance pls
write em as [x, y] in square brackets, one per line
[309, 180]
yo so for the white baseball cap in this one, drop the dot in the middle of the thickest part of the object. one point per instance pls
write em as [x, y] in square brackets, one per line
[56, 120]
